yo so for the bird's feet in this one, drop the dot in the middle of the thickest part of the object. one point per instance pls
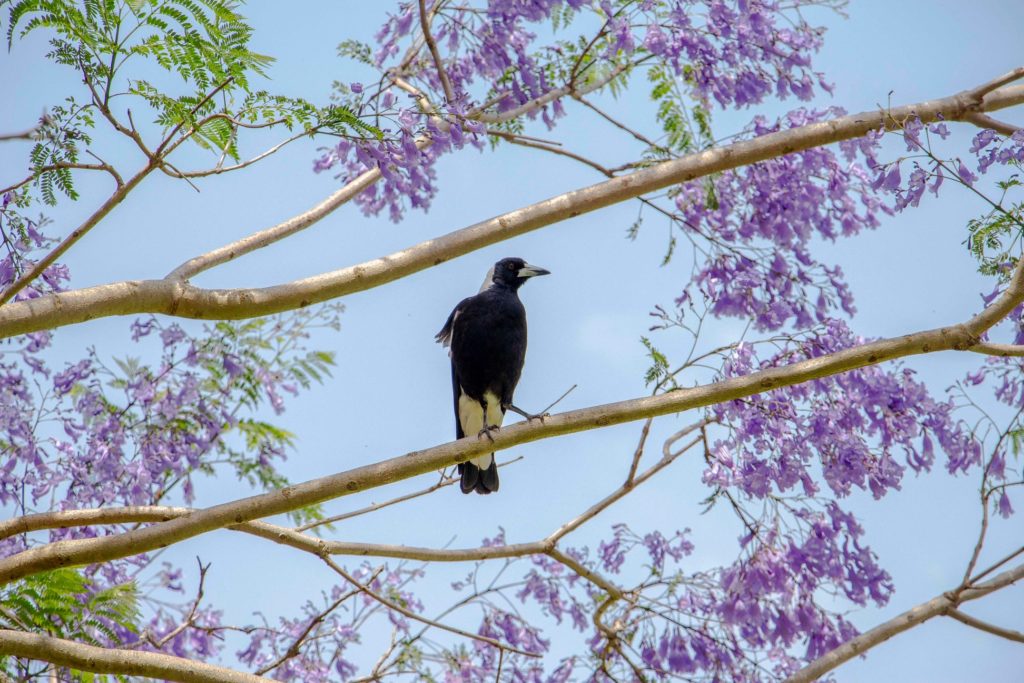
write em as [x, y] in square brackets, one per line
[487, 431]
[530, 417]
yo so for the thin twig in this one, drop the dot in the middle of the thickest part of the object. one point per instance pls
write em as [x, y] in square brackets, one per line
[416, 617]
[446, 85]
[996, 565]
[638, 453]
[23, 135]
[985, 626]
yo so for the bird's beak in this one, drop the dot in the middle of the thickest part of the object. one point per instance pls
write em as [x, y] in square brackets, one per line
[531, 271]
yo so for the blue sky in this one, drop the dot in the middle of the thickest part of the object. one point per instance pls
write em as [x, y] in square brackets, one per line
[585, 320]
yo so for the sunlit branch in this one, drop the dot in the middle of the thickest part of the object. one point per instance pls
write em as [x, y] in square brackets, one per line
[217, 170]
[373, 507]
[40, 266]
[984, 89]
[984, 121]
[337, 199]
[84, 551]
[23, 135]
[113, 661]
[935, 607]
[65, 164]
[985, 626]
[1003, 350]
[174, 297]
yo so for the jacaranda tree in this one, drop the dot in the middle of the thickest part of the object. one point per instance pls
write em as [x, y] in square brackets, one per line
[101, 455]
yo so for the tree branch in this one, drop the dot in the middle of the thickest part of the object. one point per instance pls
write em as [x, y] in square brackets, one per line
[1003, 350]
[340, 197]
[114, 661]
[983, 90]
[84, 551]
[446, 85]
[40, 266]
[985, 626]
[174, 297]
[23, 135]
[984, 121]
[937, 606]
[390, 604]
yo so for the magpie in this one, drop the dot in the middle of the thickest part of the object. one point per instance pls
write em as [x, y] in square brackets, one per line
[486, 336]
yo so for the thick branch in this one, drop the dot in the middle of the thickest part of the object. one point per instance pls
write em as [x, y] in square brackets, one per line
[125, 662]
[84, 551]
[183, 299]
[937, 606]
[337, 199]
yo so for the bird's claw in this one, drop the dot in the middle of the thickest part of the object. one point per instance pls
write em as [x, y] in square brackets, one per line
[538, 416]
[487, 431]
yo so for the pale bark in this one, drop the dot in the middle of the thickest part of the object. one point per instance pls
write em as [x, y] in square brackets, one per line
[84, 551]
[125, 662]
[178, 298]
[935, 607]
[341, 196]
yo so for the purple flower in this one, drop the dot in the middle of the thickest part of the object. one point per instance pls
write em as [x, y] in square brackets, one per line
[1004, 507]
[965, 174]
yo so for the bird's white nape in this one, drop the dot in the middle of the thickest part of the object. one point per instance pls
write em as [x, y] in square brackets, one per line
[488, 281]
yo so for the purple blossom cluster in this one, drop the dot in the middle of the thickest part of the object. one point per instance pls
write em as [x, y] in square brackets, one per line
[22, 244]
[759, 221]
[928, 171]
[736, 53]
[849, 430]
[318, 645]
[321, 639]
[130, 434]
[90, 435]
[733, 52]
[754, 620]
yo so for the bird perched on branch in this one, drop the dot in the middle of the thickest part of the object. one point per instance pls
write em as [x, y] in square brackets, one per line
[486, 334]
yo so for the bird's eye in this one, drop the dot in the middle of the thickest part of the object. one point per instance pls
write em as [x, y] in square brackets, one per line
[511, 266]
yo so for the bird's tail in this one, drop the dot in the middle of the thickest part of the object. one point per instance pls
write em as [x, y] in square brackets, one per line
[480, 479]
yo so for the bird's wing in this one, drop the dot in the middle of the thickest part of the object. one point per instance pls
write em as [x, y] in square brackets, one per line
[444, 337]
[456, 393]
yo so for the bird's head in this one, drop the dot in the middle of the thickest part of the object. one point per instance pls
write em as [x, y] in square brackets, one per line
[513, 272]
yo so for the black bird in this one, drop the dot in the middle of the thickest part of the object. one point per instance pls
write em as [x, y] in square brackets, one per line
[486, 334]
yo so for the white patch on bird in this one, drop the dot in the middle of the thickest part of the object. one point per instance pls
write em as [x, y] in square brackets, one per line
[446, 340]
[488, 281]
[471, 419]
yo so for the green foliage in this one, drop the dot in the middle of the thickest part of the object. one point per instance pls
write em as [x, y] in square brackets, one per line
[64, 604]
[659, 363]
[995, 238]
[686, 128]
[242, 365]
[356, 50]
[205, 44]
